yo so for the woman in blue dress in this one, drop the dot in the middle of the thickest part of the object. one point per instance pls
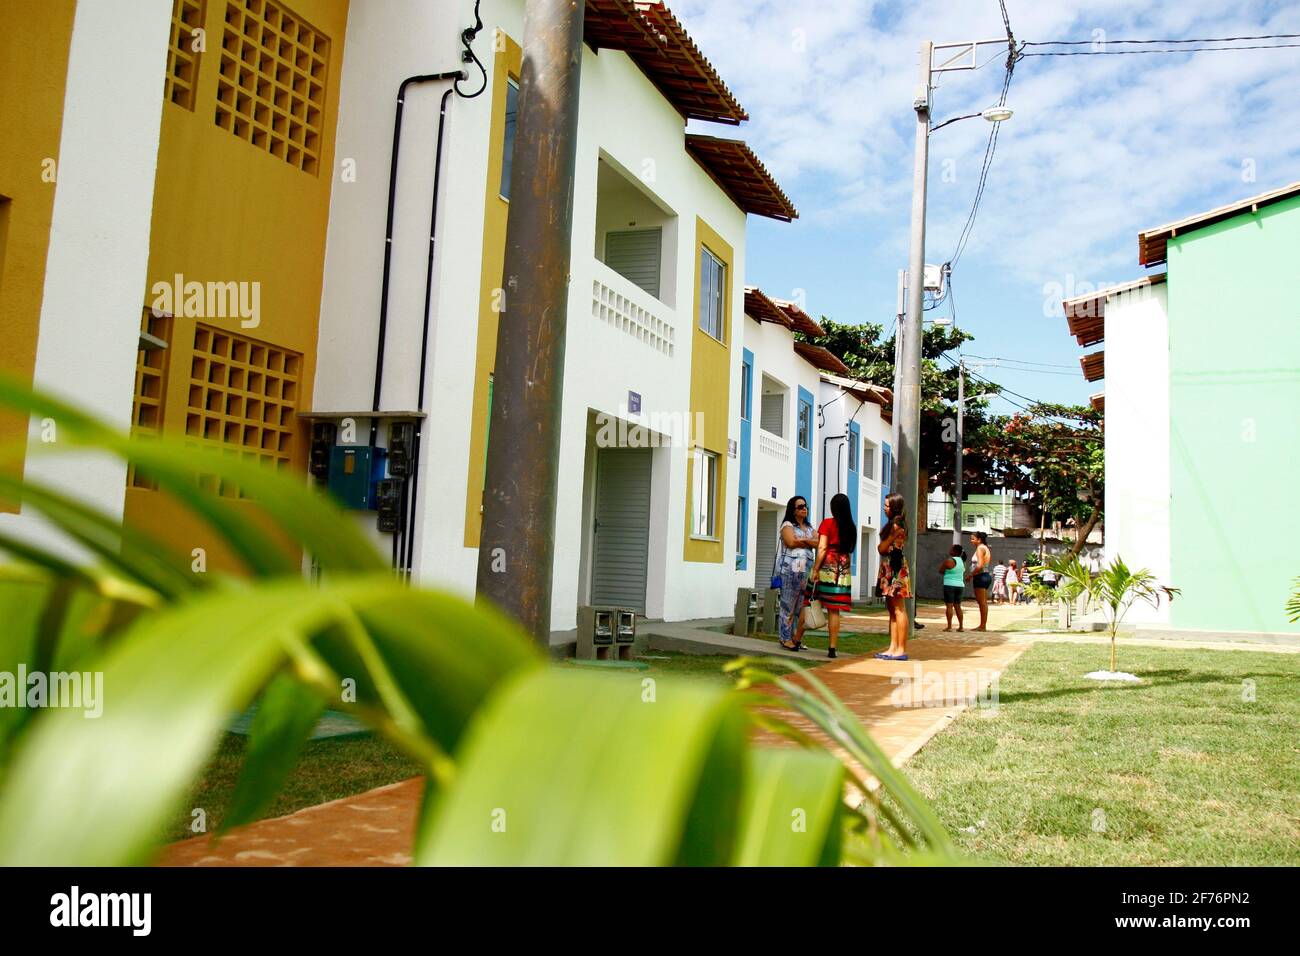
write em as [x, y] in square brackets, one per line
[794, 559]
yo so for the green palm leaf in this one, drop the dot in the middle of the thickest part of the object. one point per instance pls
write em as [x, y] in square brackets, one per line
[566, 768]
[791, 809]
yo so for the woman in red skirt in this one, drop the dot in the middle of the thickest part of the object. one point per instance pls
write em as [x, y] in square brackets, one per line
[831, 580]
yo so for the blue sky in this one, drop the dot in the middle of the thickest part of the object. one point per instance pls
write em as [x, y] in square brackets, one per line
[1100, 148]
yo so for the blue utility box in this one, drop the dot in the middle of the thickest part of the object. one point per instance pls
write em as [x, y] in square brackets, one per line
[354, 472]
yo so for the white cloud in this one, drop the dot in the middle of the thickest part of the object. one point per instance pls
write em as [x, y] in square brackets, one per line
[1099, 148]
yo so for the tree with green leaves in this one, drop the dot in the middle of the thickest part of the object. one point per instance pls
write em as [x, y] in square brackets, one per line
[871, 359]
[1057, 454]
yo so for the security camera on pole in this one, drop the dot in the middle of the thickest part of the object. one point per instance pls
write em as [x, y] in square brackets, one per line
[907, 398]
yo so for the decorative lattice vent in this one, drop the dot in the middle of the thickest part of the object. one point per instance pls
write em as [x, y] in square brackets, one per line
[243, 396]
[150, 387]
[271, 88]
[182, 58]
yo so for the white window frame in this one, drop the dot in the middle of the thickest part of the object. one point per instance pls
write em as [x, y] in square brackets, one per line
[704, 478]
[713, 298]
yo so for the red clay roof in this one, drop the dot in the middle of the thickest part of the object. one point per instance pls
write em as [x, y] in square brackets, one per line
[1098, 402]
[821, 357]
[1094, 365]
[658, 44]
[862, 391]
[801, 320]
[1086, 314]
[1153, 243]
[741, 175]
[759, 307]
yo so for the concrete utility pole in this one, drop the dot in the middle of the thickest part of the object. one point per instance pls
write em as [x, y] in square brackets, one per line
[960, 56]
[961, 451]
[516, 550]
[898, 367]
[907, 400]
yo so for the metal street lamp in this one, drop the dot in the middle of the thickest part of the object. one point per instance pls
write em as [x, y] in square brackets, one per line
[959, 56]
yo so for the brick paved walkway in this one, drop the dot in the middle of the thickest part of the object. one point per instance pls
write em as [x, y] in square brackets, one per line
[376, 828]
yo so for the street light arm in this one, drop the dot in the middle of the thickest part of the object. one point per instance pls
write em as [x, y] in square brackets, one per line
[953, 120]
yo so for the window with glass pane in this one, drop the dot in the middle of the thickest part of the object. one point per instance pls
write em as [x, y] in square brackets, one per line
[712, 278]
[853, 452]
[508, 144]
[703, 488]
[740, 527]
[869, 462]
[805, 425]
[746, 390]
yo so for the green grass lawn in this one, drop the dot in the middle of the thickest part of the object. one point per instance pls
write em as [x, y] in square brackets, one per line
[1177, 770]
[327, 769]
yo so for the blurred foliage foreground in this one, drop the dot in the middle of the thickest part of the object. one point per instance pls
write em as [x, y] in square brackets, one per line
[526, 763]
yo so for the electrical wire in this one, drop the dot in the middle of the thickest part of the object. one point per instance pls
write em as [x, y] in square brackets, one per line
[1003, 391]
[1259, 36]
[1038, 371]
[469, 56]
[1194, 49]
[1013, 54]
[998, 358]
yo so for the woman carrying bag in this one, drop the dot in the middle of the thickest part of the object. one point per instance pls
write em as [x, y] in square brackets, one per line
[794, 556]
[831, 581]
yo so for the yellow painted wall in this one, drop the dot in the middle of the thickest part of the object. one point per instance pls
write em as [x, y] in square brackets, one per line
[226, 210]
[710, 395]
[495, 210]
[35, 36]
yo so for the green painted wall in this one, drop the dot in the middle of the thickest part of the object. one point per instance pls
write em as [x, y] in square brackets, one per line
[1234, 408]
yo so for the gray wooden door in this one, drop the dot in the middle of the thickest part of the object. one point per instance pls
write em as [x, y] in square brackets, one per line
[621, 543]
[635, 255]
[765, 546]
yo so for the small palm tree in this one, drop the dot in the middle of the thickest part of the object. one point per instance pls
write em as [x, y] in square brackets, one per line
[1293, 604]
[1116, 588]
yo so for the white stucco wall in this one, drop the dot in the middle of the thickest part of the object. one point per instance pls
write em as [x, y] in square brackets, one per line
[837, 411]
[772, 458]
[96, 267]
[386, 42]
[1137, 437]
[626, 122]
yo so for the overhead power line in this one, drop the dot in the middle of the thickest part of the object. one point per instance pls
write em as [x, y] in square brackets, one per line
[1192, 49]
[1259, 36]
[998, 358]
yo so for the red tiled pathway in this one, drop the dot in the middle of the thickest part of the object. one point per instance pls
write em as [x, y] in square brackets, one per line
[377, 828]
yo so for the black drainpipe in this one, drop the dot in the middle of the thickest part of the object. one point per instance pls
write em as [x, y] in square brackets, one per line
[408, 531]
[388, 232]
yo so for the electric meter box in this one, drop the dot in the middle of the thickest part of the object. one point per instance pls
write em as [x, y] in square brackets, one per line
[606, 633]
[355, 470]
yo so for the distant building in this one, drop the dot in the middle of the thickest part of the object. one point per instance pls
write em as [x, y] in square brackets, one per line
[1202, 370]
[995, 512]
